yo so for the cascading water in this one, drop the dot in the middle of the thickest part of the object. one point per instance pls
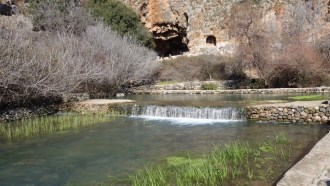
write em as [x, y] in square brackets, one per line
[227, 114]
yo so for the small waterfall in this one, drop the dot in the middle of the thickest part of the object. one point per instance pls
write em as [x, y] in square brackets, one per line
[188, 112]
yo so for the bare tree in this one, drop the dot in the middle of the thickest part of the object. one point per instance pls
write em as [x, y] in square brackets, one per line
[265, 43]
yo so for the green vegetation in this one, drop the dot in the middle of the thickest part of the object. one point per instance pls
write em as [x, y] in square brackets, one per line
[281, 138]
[48, 124]
[308, 97]
[121, 19]
[209, 86]
[235, 163]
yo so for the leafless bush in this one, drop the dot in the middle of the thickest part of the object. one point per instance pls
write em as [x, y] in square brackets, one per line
[44, 64]
[204, 67]
[60, 15]
[125, 60]
[298, 66]
[285, 57]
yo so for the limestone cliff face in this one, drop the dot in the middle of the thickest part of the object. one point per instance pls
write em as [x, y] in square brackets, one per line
[190, 22]
[201, 26]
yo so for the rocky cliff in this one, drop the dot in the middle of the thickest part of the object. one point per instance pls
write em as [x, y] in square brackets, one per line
[203, 26]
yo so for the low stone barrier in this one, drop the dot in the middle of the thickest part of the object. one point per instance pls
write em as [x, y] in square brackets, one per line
[27, 112]
[295, 113]
[98, 106]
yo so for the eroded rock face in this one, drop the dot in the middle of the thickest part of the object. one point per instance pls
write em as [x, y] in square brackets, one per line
[13, 2]
[203, 25]
[184, 24]
[170, 39]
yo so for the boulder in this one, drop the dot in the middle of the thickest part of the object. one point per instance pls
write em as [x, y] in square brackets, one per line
[317, 118]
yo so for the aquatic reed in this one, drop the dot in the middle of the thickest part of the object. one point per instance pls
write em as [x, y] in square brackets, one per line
[223, 166]
[48, 124]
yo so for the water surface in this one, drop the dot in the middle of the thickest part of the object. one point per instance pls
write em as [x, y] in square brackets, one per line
[102, 153]
[216, 100]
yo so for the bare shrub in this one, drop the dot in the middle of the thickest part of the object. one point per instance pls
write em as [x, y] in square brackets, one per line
[204, 67]
[45, 64]
[125, 60]
[282, 57]
[60, 15]
[187, 68]
[298, 66]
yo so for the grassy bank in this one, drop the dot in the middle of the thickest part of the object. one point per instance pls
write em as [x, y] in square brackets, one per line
[309, 97]
[235, 164]
[26, 128]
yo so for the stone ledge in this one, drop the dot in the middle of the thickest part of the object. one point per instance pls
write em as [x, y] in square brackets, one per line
[95, 105]
[313, 169]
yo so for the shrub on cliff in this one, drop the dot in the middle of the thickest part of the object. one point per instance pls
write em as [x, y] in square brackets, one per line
[121, 19]
[59, 15]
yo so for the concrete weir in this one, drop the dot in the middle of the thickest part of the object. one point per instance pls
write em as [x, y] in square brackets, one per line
[313, 169]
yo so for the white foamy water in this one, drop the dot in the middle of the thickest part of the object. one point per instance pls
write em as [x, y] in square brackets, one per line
[188, 114]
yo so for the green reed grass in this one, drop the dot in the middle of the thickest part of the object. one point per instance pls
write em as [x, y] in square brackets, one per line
[282, 138]
[48, 124]
[222, 166]
[308, 97]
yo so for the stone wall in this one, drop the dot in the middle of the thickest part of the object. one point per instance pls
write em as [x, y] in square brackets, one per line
[27, 112]
[293, 114]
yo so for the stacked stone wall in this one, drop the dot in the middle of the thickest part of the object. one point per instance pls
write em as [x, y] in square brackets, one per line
[195, 88]
[293, 114]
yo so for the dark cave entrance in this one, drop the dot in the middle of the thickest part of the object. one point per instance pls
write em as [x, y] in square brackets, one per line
[211, 40]
[171, 47]
[171, 39]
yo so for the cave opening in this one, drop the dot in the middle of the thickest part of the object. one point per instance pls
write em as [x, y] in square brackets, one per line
[211, 40]
[170, 39]
[171, 47]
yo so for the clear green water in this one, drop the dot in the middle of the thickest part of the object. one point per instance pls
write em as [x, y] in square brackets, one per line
[104, 152]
